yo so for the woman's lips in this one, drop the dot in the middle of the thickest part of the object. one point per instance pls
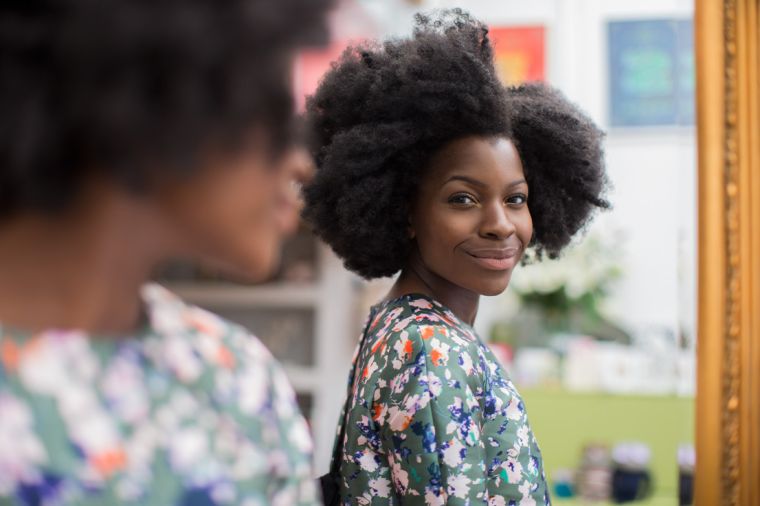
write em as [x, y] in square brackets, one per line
[496, 259]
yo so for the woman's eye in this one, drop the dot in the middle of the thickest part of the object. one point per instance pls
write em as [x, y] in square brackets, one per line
[462, 199]
[517, 200]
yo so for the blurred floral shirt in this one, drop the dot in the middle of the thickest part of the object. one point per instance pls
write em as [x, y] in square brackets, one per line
[192, 411]
[432, 417]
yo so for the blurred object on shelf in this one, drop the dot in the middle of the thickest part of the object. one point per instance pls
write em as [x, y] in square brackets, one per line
[299, 259]
[594, 477]
[563, 483]
[298, 265]
[287, 332]
[631, 477]
[686, 465]
[536, 367]
[503, 353]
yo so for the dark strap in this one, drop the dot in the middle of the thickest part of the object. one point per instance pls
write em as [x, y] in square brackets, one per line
[329, 483]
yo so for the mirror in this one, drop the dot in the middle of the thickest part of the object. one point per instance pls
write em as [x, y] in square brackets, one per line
[600, 343]
[627, 364]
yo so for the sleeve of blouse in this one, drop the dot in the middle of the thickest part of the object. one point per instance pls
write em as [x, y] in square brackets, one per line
[429, 419]
[273, 444]
[449, 439]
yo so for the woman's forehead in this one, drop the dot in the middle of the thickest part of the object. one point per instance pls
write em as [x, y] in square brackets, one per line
[475, 156]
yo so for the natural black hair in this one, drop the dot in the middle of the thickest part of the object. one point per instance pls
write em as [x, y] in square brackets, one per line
[135, 90]
[383, 110]
[377, 117]
[562, 155]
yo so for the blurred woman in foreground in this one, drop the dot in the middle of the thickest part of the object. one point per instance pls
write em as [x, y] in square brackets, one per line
[133, 132]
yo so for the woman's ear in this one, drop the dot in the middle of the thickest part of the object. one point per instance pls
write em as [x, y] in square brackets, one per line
[410, 229]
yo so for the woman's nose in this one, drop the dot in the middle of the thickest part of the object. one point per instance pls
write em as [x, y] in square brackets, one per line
[299, 165]
[496, 223]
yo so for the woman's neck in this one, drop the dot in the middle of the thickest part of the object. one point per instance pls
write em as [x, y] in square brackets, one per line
[80, 270]
[417, 278]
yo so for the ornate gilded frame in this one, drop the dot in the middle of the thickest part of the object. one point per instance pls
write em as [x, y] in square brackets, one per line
[728, 379]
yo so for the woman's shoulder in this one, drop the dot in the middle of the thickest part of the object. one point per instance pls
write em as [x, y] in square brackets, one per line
[418, 315]
[206, 351]
[415, 331]
[200, 338]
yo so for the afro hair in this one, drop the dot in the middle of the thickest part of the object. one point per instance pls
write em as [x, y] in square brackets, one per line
[134, 91]
[563, 159]
[384, 110]
[375, 120]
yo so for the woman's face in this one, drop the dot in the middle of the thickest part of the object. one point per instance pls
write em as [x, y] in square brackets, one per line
[235, 212]
[471, 220]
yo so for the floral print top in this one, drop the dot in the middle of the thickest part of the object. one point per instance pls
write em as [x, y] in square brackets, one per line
[192, 411]
[433, 418]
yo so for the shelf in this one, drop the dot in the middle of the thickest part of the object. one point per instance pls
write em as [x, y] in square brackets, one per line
[295, 295]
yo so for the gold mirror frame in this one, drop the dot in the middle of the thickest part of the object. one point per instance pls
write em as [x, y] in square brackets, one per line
[727, 39]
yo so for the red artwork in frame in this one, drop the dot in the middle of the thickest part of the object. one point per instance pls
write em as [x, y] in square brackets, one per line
[519, 53]
[310, 66]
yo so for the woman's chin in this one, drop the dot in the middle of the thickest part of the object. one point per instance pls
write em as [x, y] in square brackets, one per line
[491, 288]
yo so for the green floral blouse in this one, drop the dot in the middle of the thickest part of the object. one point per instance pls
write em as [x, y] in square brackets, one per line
[194, 411]
[433, 418]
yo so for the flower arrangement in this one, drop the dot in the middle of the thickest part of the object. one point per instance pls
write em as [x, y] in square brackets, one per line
[566, 295]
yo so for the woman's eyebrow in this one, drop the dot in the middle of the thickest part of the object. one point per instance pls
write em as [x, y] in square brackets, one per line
[466, 179]
[481, 184]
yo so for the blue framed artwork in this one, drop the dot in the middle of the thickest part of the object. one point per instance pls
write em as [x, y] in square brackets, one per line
[651, 66]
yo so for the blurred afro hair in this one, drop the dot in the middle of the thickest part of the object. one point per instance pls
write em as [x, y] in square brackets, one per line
[136, 90]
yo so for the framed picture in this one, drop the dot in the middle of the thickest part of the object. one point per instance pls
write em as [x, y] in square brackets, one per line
[651, 72]
[519, 53]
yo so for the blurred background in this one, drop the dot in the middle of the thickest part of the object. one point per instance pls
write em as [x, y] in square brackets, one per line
[602, 342]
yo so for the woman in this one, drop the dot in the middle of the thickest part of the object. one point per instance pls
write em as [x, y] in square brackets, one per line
[133, 132]
[421, 174]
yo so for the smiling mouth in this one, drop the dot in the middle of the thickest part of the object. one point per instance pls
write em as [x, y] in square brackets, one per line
[497, 259]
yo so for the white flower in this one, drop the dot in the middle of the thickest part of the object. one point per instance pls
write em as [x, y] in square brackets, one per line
[253, 385]
[180, 357]
[524, 489]
[522, 435]
[187, 448]
[433, 499]
[513, 409]
[513, 468]
[124, 387]
[459, 486]
[434, 384]
[381, 487]
[584, 267]
[398, 419]
[421, 303]
[452, 456]
[368, 462]
[467, 366]
[44, 370]
[400, 476]
[299, 436]
[20, 449]
[416, 402]
[94, 431]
